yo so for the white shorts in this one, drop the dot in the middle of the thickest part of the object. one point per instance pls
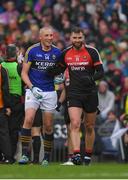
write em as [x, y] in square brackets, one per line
[48, 103]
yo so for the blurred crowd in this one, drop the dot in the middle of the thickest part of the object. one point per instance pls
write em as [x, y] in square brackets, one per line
[105, 24]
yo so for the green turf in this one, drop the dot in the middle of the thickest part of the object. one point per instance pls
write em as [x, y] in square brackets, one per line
[56, 171]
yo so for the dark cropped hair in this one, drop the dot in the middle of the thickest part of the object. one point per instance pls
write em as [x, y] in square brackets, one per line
[77, 29]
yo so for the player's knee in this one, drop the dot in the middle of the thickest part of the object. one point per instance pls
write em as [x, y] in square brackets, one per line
[75, 125]
[28, 122]
[90, 129]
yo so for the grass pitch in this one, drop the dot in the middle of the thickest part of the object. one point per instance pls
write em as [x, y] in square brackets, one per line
[57, 171]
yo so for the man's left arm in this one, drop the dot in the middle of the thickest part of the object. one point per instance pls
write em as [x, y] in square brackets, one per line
[57, 69]
[59, 66]
[99, 72]
[98, 65]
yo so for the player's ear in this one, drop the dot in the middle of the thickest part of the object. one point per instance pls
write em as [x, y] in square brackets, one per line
[71, 38]
[83, 38]
[39, 37]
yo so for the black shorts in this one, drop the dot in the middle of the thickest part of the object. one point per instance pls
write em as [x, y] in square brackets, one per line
[88, 102]
[38, 119]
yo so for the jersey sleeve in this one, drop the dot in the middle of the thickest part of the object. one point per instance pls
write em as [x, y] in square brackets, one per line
[97, 63]
[59, 67]
[28, 56]
[96, 57]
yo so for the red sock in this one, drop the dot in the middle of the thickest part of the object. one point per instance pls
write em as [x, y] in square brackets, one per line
[88, 152]
[76, 151]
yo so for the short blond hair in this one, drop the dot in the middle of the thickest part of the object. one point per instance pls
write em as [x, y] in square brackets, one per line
[45, 28]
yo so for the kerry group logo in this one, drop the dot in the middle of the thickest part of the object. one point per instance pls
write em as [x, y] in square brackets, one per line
[42, 65]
